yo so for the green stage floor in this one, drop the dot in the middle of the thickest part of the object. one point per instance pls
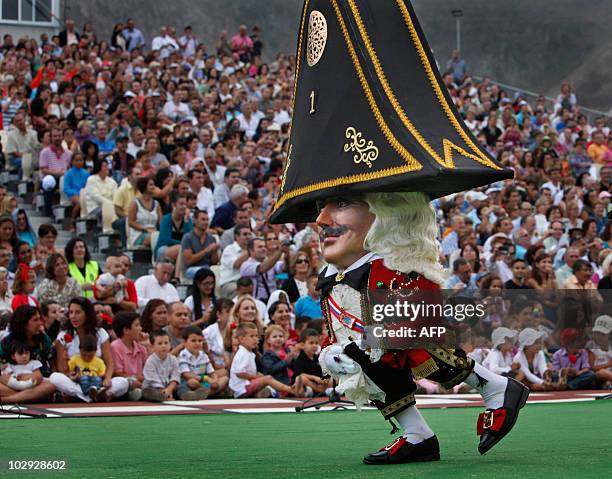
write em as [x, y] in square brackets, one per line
[568, 440]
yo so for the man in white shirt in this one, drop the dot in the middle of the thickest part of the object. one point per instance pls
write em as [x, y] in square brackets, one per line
[249, 120]
[232, 258]
[188, 43]
[175, 109]
[165, 43]
[215, 170]
[21, 145]
[554, 185]
[158, 41]
[205, 201]
[501, 260]
[137, 142]
[241, 217]
[555, 238]
[221, 193]
[280, 116]
[563, 273]
[156, 286]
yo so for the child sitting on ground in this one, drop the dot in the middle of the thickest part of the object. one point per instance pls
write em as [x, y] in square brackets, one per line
[499, 360]
[113, 279]
[537, 376]
[600, 353]
[129, 351]
[87, 369]
[198, 376]
[22, 372]
[572, 362]
[306, 365]
[245, 381]
[276, 359]
[161, 371]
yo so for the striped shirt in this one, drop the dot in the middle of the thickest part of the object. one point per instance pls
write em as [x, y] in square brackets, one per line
[189, 363]
[54, 160]
[11, 110]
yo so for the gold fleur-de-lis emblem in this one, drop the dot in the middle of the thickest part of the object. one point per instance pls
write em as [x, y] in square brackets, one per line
[339, 277]
[365, 151]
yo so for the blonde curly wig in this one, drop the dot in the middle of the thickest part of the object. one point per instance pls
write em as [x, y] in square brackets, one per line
[404, 233]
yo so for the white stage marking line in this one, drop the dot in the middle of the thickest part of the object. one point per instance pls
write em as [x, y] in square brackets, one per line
[287, 409]
[118, 409]
[442, 400]
[554, 401]
[467, 397]
[13, 415]
[237, 402]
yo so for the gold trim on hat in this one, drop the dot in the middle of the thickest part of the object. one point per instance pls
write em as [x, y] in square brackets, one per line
[438, 91]
[295, 83]
[448, 146]
[287, 165]
[343, 180]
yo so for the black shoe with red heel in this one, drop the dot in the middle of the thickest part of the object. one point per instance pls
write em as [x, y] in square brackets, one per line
[401, 451]
[494, 424]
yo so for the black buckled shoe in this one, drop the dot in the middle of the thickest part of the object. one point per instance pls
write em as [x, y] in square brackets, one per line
[494, 424]
[401, 451]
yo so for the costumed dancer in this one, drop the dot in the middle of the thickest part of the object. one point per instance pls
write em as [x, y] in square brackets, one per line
[374, 137]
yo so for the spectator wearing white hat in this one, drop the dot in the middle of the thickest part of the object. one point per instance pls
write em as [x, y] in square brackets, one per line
[499, 359]
[600, 352]
[532, 360]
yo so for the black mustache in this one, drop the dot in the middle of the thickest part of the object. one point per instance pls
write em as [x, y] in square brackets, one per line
[331, 231]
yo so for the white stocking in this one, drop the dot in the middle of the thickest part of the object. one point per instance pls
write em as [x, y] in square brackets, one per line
[492, 389]
[415, 428]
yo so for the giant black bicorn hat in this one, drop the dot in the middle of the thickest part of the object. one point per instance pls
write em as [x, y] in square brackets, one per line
[371, 113]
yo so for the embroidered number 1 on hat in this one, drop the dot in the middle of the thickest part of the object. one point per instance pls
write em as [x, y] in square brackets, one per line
[312, 102]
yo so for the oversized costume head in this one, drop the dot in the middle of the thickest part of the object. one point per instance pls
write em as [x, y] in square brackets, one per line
[371, 119]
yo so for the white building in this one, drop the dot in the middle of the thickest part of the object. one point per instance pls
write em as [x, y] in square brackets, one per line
[31, 18]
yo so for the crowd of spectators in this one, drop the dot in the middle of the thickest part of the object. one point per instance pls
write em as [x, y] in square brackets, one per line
[179, 148]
